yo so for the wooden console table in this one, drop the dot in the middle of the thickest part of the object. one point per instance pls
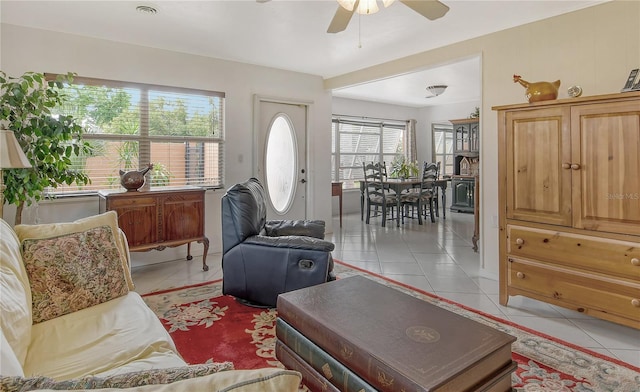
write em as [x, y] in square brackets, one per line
[159, 218]
[336, 190]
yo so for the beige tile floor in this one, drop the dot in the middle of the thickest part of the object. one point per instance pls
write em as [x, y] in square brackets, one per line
[435, 257]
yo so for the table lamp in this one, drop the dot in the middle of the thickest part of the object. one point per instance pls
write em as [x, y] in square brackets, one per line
[11, 157]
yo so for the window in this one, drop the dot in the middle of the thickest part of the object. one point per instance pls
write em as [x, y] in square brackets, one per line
[129, 125]
[443, 147]
[358, 140]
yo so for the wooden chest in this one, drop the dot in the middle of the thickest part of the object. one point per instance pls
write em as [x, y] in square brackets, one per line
[160, 218]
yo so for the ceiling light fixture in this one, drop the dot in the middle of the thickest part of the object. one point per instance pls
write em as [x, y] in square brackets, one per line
[147, 9]
[365, 7]
[436, 90]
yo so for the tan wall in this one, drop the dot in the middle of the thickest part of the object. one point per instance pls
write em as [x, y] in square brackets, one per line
[595, 48]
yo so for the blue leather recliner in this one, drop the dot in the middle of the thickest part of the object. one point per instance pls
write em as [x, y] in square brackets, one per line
[263, 258]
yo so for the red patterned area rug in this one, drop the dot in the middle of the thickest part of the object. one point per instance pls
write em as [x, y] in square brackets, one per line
[208, 326]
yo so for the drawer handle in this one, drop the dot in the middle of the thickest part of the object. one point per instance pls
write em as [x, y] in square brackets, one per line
[575, 166]
[635, 261]
[519, 241]
[635, 302]
[520, 275]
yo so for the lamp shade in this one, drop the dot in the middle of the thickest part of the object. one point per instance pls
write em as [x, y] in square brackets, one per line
[11, 154]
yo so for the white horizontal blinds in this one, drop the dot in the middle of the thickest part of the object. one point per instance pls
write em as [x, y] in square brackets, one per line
[394, 144]
[443, 147]
[359, 140]
[129, 125]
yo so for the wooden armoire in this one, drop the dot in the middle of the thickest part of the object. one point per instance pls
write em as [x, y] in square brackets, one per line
[569, 204]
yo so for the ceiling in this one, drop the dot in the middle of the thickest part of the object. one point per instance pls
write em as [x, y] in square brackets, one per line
[291, 35]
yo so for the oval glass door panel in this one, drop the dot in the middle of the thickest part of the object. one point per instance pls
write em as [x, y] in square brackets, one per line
[281, 163]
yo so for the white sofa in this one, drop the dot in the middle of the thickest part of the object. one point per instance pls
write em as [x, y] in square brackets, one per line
[119, 337]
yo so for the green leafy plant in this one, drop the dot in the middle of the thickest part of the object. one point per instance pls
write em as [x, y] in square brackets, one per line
[401, 168]
[50, 142]
[160, 175]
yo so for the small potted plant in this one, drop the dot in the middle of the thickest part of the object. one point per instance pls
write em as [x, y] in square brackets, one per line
[402, 168]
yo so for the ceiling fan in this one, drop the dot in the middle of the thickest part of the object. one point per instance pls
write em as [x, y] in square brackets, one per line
[430, 9]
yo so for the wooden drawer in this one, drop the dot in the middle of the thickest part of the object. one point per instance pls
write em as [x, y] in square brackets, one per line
[122, 202]
[193, 196]
[580, 290]
[607, 256]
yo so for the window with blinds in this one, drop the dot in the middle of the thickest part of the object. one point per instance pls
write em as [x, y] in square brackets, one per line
[129, 125]
[358, 140]
[443, 147]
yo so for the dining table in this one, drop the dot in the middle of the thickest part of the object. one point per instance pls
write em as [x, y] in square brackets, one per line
[400, 184]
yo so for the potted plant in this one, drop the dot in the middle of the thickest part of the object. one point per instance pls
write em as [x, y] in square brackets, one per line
[401, 168]
[50, 142]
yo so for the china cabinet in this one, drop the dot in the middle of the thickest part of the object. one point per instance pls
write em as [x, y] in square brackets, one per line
[466, 152]
[569, 199]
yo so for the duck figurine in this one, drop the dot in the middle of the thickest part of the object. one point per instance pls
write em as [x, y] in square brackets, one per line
[538, 91]
[134, 179]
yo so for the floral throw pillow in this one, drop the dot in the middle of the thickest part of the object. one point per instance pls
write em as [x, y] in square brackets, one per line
[125, 380]
[73, 271]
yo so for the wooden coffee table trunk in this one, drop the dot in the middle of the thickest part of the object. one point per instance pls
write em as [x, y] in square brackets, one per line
[355, 334]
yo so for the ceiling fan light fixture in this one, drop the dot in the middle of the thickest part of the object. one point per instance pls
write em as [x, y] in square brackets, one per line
[437, 89]
[367, 7]
[387, 3]
[147, 9]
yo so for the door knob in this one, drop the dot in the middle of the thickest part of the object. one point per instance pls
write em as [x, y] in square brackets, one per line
[566, 166]
[575, 166]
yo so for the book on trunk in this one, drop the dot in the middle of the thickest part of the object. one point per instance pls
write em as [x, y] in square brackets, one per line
[310, 377]
[330, 368]
[395, 341]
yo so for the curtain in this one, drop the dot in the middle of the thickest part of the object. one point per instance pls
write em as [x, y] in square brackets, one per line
[412, 148]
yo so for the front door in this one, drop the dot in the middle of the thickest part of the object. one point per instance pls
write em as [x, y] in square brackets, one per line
[281, 156]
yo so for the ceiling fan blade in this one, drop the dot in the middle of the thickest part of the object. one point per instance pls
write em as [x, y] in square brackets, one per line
[430, 9]
[341, 19]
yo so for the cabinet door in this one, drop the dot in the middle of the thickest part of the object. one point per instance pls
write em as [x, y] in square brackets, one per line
[460, 190]
[137, 217]
[538, 144]
[474, 136]
[462, 194]
[183, 216]
[461, 132]
[606, 163]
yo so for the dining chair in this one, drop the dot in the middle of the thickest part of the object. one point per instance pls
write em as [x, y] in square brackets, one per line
[383, 168]
[375, 194]
[421, 198]
[436, 197]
